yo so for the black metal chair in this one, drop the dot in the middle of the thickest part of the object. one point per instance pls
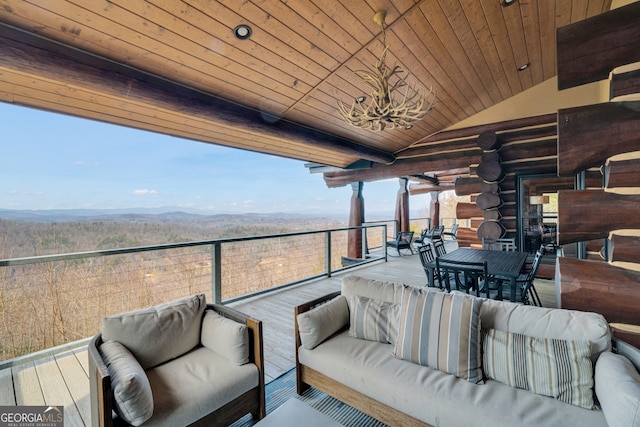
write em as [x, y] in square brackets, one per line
[402, 242]
[426, 256]
[434, 233]
[453, 233]
[438, 245]
[526, 292]
[466, 276]
[499, 244]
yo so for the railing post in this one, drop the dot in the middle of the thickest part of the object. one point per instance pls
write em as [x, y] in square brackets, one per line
[384, 241]
[327, 252]
[216, 272]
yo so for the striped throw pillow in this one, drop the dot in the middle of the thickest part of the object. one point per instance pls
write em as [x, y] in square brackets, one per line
[373, 320]
[441, 331]
[550, 367]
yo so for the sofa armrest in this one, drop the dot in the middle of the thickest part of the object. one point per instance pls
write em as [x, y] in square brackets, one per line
[256, 345]
[101, 395]
[299, 310]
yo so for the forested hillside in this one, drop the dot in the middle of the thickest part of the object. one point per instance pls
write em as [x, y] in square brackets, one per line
[20, 238]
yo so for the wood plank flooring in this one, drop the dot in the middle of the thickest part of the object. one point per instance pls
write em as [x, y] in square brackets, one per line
[62, 379]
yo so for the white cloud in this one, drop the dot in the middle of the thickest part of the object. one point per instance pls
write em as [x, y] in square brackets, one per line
[145, 192]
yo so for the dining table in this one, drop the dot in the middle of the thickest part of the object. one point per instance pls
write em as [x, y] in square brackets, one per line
[506, 265]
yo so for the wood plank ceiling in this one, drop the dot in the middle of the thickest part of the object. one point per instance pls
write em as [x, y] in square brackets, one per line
[166, 61]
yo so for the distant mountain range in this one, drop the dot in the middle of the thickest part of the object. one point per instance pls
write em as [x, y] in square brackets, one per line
[162, 215]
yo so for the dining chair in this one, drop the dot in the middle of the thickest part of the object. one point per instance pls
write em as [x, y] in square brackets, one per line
[526, 292]
[438, 245]
[434, 233]
[503, 244]
[426, 256]
[463, 276]
[402, 242]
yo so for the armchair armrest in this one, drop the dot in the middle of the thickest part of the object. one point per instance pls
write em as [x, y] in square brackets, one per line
[301, 309]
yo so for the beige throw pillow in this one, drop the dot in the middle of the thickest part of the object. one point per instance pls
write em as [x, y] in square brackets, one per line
[319, 323]
[130, 385]
[226, 337]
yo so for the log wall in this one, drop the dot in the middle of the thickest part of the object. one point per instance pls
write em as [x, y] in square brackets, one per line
[603, 136]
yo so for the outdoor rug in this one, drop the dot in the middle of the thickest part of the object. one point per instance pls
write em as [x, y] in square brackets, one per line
[283, 388]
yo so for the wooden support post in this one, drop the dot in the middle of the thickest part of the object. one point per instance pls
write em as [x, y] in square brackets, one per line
[356, 218]
[434, 209]
[402, 205]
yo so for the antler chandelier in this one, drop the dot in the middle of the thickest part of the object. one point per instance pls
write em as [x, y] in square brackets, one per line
[390, 106]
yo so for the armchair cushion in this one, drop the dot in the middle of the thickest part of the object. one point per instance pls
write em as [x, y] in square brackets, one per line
[618, 390]
[226, 337]
[319, 323]
[373, 320]
[158, 334]
[130, 385]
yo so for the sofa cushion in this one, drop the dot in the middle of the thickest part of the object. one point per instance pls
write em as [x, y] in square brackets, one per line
[130, 385]
[373, 320]
[544, 322]
[618, 390]
[556, 368]
[435, 397]
[157, 334]
[192, 386]
[441, 331]
[371, 288]
[319, 323]
[226, 337]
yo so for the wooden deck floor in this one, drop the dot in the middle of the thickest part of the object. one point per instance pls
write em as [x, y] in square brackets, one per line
[62, 379]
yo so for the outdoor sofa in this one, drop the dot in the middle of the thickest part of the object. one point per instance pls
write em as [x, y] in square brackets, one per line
[418, 356]
[177, 364]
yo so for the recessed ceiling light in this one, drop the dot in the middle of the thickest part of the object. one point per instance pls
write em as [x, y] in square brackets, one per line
[523, 67]
[361, 99]
[242, 32]
[506, 3]
[407, 127]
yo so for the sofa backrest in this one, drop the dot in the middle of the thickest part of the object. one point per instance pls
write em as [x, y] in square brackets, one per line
[370, 288]
[158, 334]
[543, 322]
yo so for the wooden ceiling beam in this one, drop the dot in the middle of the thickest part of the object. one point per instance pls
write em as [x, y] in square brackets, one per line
[34, 55]
[405, 167]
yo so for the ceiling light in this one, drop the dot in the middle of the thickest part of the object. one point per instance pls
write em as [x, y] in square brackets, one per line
[361, 99]
[523, 67]
[389, 106]
[242, 32]
[506, 3]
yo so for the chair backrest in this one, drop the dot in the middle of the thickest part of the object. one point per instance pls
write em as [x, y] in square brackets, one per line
[426, 255]
[405, 237]
[463, 276]
[454, 229]
[531, 274]
[438, 245]
[499, 244]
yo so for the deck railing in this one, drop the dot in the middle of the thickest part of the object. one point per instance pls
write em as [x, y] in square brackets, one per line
[47, 301]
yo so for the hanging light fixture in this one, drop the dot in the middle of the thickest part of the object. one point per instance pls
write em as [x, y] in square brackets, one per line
[393, 102]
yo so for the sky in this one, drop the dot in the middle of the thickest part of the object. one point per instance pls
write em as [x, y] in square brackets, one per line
[54, 161]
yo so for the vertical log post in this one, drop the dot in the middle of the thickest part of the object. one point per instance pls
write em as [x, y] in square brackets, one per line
[402, 206]
[356, 218]
[434, 209]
